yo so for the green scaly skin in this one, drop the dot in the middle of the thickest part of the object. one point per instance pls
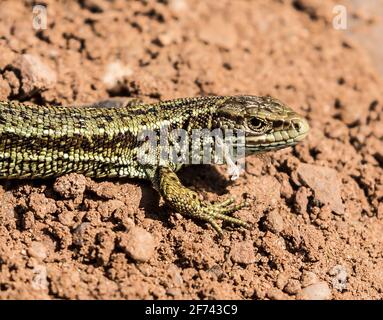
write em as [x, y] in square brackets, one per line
[101, 140]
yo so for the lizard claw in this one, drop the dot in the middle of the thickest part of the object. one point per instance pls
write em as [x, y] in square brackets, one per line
[187, 202]
[219, 211]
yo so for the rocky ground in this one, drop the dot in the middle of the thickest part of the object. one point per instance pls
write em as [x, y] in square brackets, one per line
[317, 209]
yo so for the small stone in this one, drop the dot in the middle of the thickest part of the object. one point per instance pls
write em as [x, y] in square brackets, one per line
[259, 293]
[242, 252]
[28, 220]
[325, 213]
[325, 184]
[275, 294]
[107, 208]
[217, 271]
[138, 243]
[274, 222]
[308, 278]
[79, 233]
[41, 205]
[13, 82]
[292, 287]
[105, 190]
[268, 190]
[175, 275]
[35, 74]
[316, 291]
[37, 250]
[70, 186]
[174, 292]
[66, 218]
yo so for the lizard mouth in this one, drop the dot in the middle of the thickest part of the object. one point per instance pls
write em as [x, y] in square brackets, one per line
[278, 138]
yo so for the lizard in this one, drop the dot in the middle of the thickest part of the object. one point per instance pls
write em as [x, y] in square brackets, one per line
[100, 140]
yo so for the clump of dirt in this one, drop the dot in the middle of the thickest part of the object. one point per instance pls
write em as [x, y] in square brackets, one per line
[316, 209]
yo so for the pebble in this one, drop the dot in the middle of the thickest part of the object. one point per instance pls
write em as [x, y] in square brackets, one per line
[268, 189]
[70, 186]
[242, 252]
[308, 278]
[325, 184]
[66, 218]
[37, 250]
[174, 292]
[138, 243]
[275, 294]
[105, 190]
[325, 213]
[107, 208]
[274, 222]
[316, 291]
[79, 233]
[292, 287]
[28, 220]
[175, 275]
[35, 74]
[41, 205]
[218, 271]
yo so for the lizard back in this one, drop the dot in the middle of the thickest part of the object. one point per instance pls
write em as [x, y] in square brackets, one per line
[46, 141]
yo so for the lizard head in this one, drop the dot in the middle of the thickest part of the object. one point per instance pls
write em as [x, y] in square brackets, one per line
[268, 124]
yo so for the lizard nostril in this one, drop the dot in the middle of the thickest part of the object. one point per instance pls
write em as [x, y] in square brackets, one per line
[297, 126]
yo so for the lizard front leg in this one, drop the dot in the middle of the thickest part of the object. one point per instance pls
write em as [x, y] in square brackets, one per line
[187, 202]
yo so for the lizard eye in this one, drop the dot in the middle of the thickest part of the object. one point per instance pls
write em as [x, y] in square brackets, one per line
[257, 124]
